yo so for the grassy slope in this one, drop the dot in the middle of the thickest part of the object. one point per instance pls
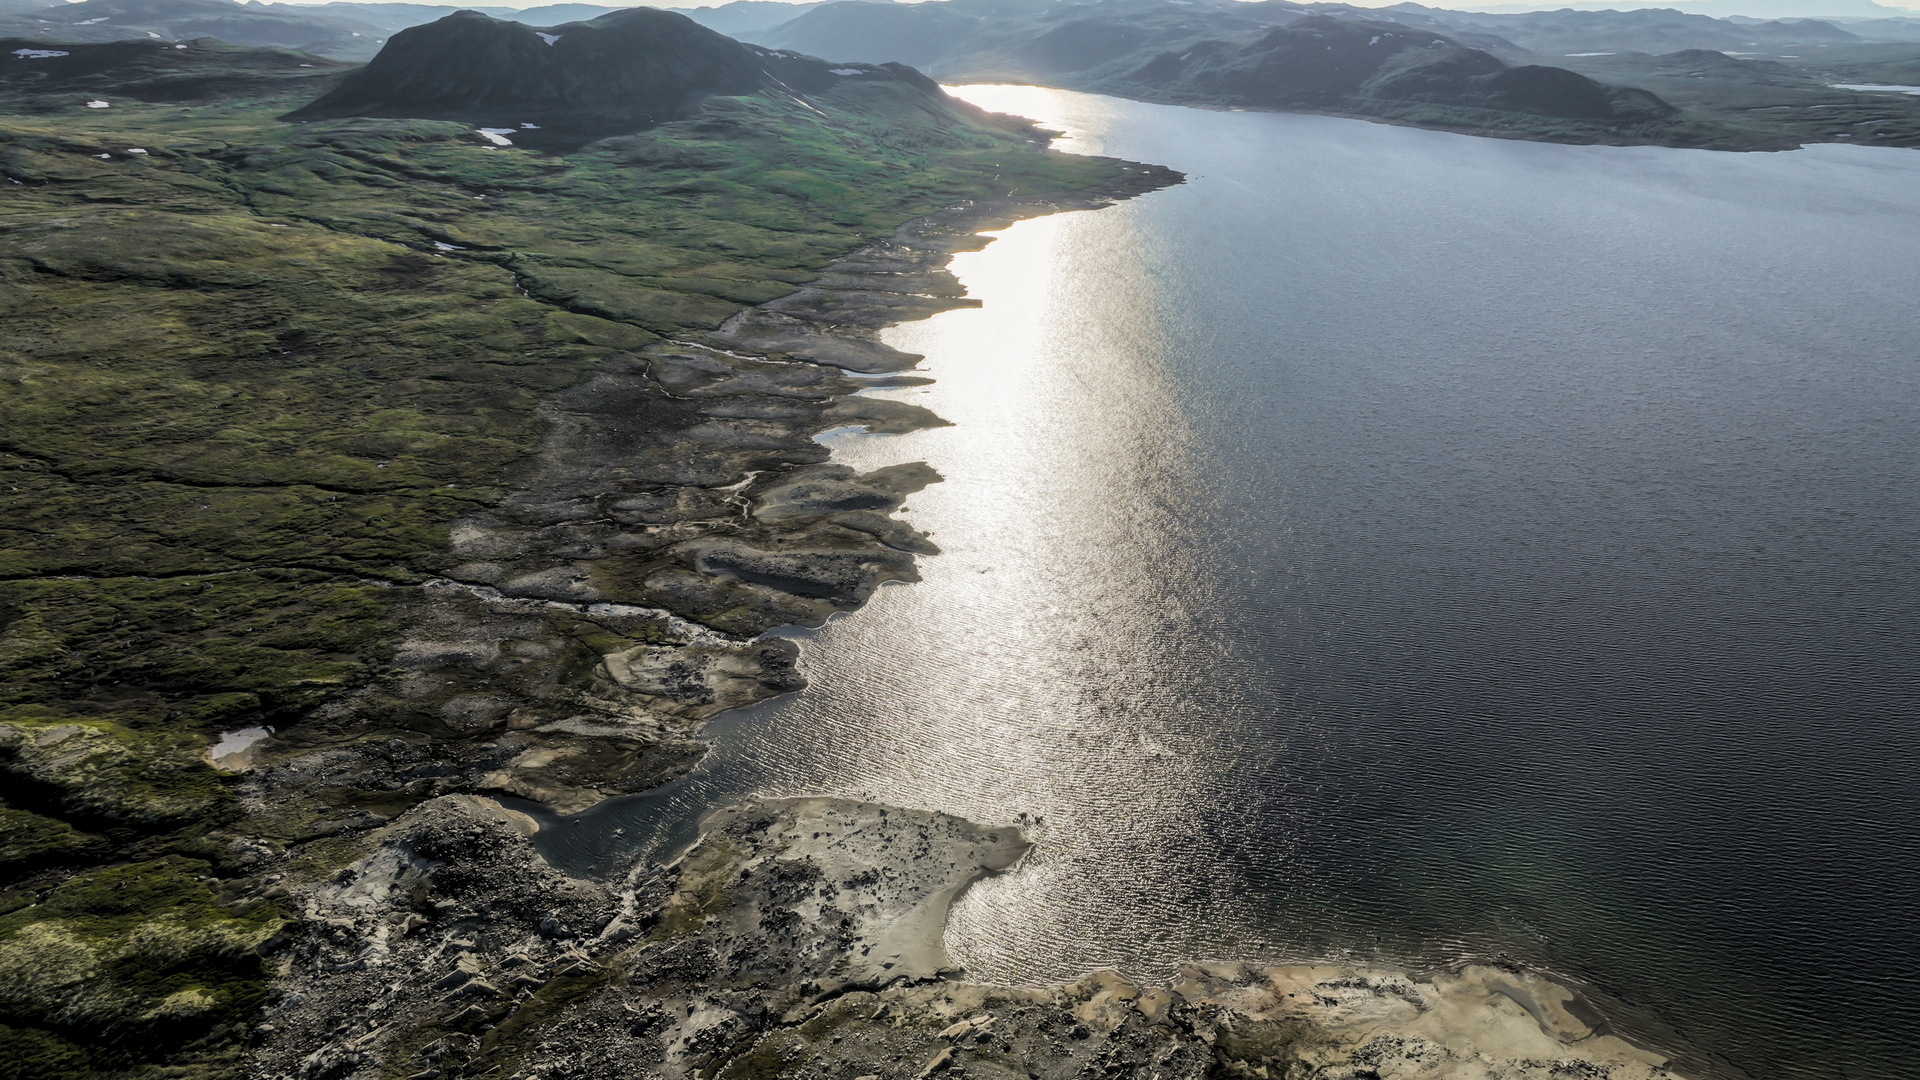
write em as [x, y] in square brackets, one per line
[243, 393]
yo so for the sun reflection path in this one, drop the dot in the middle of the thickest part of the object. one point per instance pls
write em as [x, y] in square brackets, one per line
[1045, 666]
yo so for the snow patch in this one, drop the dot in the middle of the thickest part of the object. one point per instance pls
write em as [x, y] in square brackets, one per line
[1884, 88]
[530, 127]
[846, 71]
[98, 105]
[548, 38]
[444, 246]
[234, 751]
[497, 136]
[1589, 54]
[135, 150]
[90, 22]
[38, 54]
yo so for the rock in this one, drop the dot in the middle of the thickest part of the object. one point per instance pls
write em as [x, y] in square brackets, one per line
[471, 1016]
[464, 971]
[473, 988]
[769, 942]
[1154, 1005]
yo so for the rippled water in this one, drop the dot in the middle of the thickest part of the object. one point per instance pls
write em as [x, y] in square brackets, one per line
[1408, 547]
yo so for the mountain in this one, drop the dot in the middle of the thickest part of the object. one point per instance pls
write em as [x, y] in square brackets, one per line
[1330, 63]
[35, 78]
[739, 17]
[622, 72]
[1647, 31]
[972, 32]
[1895, 29]
[338, 29]
[924, 36]
[329, 33]
[731, 19]
[1019, 39]
[390, 17]
[1723, 9]
[1269, 55]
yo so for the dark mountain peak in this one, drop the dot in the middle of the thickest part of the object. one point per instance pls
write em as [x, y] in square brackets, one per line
[564, 85]
[627, 69]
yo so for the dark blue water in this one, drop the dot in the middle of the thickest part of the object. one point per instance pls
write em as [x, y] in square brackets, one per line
[1407, 548]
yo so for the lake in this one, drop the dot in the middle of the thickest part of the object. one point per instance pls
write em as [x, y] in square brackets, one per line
[1405, 548]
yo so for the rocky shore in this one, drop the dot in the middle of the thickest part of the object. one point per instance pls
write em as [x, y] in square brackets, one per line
[802, 938]
[680, 508]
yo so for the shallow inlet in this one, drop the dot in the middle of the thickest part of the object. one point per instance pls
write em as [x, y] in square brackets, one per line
[1411, 547]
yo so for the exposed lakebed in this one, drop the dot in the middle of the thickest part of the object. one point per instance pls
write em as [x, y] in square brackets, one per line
[1410, 548]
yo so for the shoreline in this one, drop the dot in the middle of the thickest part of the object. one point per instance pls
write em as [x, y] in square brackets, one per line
[832, 321]
[1590, 133]
[803, 937]
[622, 594]
[806, 929]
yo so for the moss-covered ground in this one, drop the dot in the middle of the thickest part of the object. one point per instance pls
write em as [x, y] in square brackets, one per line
[250, 373]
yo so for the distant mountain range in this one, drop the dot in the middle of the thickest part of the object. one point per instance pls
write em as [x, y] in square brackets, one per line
[1322, 62]
[575, 70]
[1726, 9]
[1267, 55]
[1004, 38]
[344, 31]
[356, 31]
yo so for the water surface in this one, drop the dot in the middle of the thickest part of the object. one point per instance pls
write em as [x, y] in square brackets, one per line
[1406, 547]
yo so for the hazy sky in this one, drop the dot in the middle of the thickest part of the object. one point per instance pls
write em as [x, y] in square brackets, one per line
[1769, 9]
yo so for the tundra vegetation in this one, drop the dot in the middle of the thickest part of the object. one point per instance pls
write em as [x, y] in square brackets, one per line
[252, 372]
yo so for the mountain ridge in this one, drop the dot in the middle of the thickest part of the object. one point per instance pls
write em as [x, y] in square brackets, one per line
[622, 72]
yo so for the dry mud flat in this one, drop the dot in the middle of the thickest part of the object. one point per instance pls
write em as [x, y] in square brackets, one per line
[802, 938]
